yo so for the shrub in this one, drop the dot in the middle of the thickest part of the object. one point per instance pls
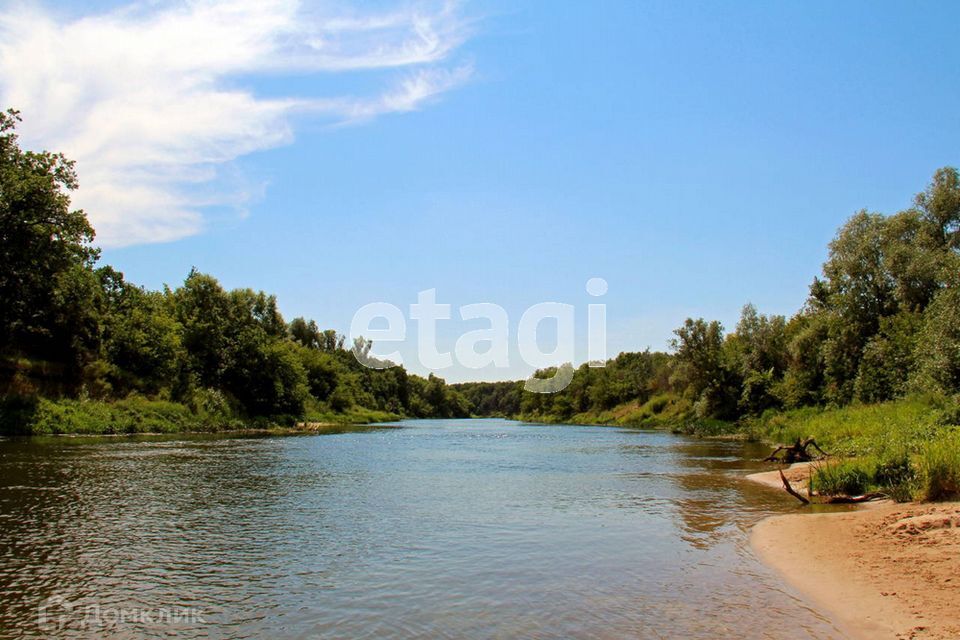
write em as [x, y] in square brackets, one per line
[658, 403]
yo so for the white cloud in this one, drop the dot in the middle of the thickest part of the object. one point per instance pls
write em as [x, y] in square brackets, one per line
[149, 100]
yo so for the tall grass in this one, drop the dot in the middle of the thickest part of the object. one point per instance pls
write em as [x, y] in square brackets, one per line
[848, 477]
[883, 429]
[939, 468]
[908, 449]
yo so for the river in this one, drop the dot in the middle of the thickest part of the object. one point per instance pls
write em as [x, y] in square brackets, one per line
[428, 528]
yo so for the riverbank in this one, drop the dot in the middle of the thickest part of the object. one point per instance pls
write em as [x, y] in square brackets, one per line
[908, 449]
[884, 570]
[143, 416]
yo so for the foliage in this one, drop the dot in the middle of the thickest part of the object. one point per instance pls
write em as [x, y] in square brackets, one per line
[81, 349]
[42, 416]
[854, 430]
[938, 346]
[492, 399]
[46, 285]
[908, 449]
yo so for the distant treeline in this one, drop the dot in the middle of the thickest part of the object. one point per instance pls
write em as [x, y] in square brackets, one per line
[196, 356]
[880, 323]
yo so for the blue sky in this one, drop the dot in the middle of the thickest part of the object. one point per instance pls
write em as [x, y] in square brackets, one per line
[696, 155]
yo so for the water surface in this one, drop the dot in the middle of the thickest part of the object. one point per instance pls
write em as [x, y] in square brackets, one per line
[440, 529]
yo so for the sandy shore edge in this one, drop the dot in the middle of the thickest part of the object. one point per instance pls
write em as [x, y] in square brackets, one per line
[886, 570]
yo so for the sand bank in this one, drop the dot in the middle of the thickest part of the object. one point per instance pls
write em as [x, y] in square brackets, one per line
[883, 571]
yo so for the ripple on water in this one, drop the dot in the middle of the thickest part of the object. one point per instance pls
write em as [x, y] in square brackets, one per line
[446, 529]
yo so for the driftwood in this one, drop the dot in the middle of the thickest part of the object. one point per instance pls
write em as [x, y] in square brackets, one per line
[867, 497]
[814, 497]
[791, 490]
[797, 452]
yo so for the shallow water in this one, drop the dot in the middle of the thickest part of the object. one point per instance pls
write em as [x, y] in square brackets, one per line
[440, 529]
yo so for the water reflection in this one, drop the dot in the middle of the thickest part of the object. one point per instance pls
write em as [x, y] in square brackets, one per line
[446, 529]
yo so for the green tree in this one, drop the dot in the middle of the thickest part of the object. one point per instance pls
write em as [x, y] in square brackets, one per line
[803, 379]
[203, 311]
[759, 351]
[142, 338]
[940, 206]
[888, 358]
[305, 333]
[938, 344]
[702, 371]
[47, 289]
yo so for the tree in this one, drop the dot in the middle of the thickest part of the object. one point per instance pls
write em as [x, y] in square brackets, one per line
[269, 380]
[203, 310]
[322, 370]
[305, 333]
[142, 338]
[888, 359]
[940, 206]
[47, 290]
[912, 254]
[701, 371]
[759, 350]
[938, 345]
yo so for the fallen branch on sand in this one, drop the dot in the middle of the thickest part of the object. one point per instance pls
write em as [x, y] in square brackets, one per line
[791, 490]
[867, 497]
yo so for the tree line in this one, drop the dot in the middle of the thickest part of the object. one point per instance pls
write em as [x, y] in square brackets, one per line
[70, 328]
[882, 321]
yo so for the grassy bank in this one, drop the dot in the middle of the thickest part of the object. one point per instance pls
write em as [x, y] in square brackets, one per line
[41, 416]
[351, 415]
[909, 449]
[662, 411]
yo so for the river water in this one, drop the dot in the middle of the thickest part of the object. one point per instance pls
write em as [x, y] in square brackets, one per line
[427, 529]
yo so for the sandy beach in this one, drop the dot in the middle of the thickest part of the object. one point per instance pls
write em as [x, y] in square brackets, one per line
[883, 570]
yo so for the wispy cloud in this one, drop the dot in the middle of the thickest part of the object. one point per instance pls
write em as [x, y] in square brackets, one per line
[151, 99]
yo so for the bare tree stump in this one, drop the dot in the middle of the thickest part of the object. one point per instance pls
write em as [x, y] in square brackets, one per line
[797, 452]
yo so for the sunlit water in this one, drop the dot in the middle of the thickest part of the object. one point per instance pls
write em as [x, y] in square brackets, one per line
[439, 529]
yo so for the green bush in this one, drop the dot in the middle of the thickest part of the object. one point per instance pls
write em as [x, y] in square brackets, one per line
[658, 403]
[931, 474]
[895, 475]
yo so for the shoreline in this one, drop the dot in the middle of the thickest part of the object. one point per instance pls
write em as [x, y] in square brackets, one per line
[312, 428]
[879, 570]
